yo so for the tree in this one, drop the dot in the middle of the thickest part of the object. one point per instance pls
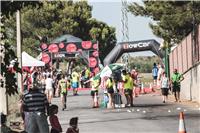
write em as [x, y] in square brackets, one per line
[104, 34]
[173, 20]
[7, 77]
[144, 64]
[56, 18]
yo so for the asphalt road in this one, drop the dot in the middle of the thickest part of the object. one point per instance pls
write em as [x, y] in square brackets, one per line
[149, 115]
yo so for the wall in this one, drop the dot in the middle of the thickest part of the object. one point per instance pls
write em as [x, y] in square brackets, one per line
[190, 86]
[3, 103]
[186, 58]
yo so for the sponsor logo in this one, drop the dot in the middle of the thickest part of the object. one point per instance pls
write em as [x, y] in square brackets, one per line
[59, 55]
[136, 45]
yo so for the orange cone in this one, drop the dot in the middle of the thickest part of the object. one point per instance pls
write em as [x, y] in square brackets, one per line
[181, 124]
[151, 87]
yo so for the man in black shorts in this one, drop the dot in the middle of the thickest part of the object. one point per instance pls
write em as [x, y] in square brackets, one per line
[176, 84]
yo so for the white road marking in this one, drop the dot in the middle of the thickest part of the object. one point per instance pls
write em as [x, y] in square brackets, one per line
[129, 110]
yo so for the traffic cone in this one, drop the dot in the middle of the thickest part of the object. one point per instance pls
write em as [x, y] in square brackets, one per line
[143, 89]
[151, 87]
[181, 124]
[96, 100]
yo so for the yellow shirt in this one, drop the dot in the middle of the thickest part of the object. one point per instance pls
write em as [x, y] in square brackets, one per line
[109, 84]
[87, 73]
[95, 84]
[75, 77]
[63, 84]
[131, 81]
[127, 84]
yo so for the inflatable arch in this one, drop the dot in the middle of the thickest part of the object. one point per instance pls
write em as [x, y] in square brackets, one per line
[134, 46]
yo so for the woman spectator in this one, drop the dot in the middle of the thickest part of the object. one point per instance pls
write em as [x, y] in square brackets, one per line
[110, 90]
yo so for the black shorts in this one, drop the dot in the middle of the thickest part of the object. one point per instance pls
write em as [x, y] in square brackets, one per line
[54, 131]
[155, 77]
[176, 89]
[165, 91]
[93, 92]
[128, 91]
[110, 90]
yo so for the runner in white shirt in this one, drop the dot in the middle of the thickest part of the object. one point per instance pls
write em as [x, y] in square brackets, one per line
[49, 88]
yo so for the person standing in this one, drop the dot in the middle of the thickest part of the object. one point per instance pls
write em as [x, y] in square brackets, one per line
[35, 104]
[55, 124]
[128, 91]
[94, 91]
[134, 75]
[110, 91]
[63, 91]
[49, 88]
[26, 81]
[155, 74]
[132, 84]
[164, 86]
[160, 72]
[75, 80]
[176, 84]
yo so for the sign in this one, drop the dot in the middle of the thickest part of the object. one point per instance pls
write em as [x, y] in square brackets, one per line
[63, 55]
[136, 45]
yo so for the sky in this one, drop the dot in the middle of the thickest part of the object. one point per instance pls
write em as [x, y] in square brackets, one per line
[109, 11]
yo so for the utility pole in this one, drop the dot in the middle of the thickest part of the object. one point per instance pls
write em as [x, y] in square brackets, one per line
[3, 95]
[19, 51]
[125, 30]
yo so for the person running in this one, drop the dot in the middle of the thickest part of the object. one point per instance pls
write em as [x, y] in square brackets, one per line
[75, 80]
[164, 86]
[82, 75]
[55, 124]
[87, 75]
[155, 74]
[176, 84]
[62, 83]
[49, 88]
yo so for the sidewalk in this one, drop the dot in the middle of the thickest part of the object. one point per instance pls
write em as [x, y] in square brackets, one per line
[183, 101]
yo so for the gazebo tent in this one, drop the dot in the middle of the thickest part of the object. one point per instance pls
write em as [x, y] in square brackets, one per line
[29, 61]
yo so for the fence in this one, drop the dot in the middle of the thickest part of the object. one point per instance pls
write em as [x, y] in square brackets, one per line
[187, 53]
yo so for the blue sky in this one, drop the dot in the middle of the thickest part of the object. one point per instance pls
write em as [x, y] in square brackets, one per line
[109, 11]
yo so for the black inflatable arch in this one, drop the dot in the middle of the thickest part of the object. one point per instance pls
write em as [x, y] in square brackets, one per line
[134, 46]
